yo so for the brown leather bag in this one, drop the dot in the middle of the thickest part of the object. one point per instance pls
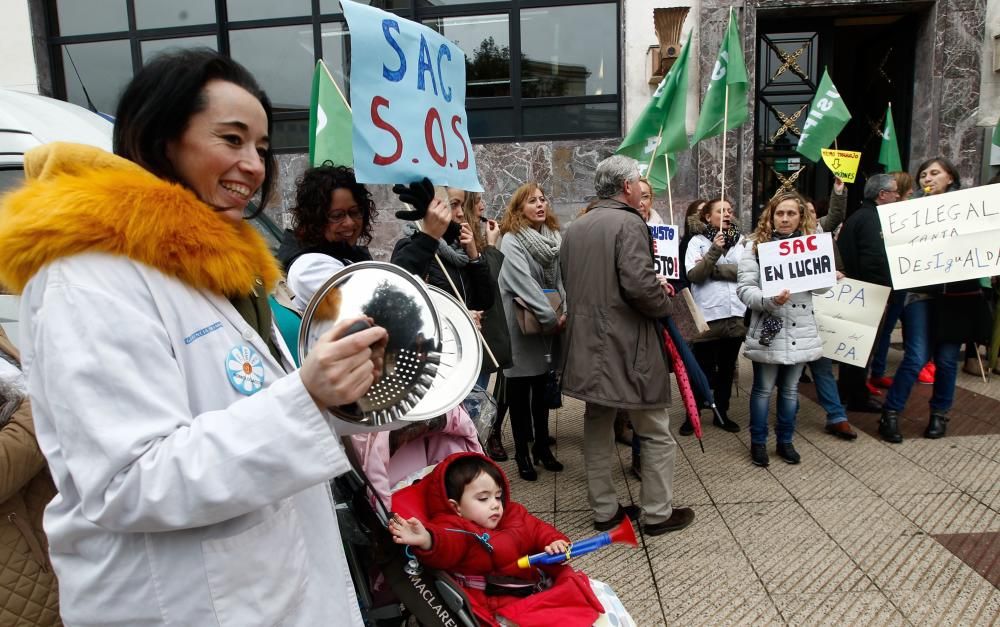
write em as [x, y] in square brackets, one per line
[526, 319]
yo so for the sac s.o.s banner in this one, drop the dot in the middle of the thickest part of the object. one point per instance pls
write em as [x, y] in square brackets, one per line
[408, 99]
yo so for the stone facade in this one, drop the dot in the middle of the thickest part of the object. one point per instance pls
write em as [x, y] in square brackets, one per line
[565, 170]
[949, 44]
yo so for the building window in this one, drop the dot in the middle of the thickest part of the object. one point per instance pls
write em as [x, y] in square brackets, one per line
[535, 69]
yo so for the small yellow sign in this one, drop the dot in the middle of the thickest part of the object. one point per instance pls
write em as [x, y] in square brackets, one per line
[843, 163]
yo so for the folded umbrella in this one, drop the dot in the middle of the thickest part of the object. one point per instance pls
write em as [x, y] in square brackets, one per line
[684, 385]
[699, 382]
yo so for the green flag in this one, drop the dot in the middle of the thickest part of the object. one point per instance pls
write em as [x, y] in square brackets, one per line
[660, 129]
[330, 125]
[726, 96]
[827, 117]
[996, 135]
[888, 154]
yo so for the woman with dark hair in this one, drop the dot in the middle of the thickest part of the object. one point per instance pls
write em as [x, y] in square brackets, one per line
[712, 261]
[192, 461]
[936, 320]
[530, 246]
[783, 335]
[334, 216]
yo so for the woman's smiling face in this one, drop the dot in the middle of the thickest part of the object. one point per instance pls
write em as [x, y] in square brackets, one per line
[220, 155]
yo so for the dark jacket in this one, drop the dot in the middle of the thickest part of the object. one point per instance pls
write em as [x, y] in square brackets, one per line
[613, 344]
[291, 249]
[862, 248]
[494, 324]
[415, 253]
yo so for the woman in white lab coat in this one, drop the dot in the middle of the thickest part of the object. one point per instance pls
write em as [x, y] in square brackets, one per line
[192, 462]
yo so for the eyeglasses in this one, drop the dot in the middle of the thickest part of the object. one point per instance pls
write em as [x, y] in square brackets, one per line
[891, 191]
[338, 216]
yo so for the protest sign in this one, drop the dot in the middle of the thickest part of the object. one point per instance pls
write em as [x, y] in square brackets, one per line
[848, 319]
[408, 97]
[666, 250]
[797, 264]
[843, 163]
[942, 238]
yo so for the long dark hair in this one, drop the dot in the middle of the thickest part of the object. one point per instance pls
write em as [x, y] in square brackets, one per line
[312, 202]
[160, 100]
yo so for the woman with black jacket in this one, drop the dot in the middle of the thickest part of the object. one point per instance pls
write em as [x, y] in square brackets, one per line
[429, 254]
[936, 320]
[334, 216]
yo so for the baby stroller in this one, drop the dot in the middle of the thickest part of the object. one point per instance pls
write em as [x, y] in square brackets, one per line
[392, 589]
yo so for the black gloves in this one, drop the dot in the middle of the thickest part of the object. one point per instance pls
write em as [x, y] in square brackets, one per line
[419, 194]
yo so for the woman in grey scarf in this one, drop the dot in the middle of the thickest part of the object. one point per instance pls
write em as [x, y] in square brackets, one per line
[530, 273]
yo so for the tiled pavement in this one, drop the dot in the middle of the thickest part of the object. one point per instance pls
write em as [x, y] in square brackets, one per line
[860, 532]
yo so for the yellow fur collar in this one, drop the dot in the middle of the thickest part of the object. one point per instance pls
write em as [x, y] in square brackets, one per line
[81, 199]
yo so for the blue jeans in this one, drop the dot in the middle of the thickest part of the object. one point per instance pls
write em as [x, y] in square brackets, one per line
[765, 376]
[917, 350]
[826, 390]
[892, 313]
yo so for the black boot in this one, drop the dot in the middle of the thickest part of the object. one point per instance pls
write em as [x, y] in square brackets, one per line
[722, 421]
[937, 425]
[687, 428]
[888, 426]
[787, 452]
[524, 467]
[494, 447]
[758, 454]
[543, 455]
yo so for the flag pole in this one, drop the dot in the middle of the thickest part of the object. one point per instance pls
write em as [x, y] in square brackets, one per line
[725, 115]
[670, 197]
[725, 118]
[335, 86]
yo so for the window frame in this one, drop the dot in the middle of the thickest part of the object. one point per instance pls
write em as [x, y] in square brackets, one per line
[222, 27]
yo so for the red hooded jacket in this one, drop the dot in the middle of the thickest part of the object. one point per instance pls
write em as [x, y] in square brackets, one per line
[570, 602]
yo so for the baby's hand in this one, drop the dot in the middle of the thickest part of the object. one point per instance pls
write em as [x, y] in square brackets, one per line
[559, 546]
[411, 532]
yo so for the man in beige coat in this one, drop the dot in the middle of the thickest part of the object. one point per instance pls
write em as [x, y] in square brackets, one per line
[613, 347]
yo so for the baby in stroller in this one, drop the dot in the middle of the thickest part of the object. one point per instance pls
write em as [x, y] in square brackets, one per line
[472, 530]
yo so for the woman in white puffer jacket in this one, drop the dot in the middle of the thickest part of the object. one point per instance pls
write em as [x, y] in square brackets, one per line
[783, 336]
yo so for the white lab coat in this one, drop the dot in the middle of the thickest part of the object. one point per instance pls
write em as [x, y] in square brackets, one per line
[717, 298]
[181, 500]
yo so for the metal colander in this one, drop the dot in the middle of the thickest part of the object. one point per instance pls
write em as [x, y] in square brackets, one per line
[397, 301]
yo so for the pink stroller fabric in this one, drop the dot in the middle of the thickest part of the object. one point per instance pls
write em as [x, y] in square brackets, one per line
[385, 468]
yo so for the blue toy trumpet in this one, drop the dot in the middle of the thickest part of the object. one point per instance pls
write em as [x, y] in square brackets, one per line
[624, 533]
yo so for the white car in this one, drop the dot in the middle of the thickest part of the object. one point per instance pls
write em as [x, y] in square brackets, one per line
[30, 120]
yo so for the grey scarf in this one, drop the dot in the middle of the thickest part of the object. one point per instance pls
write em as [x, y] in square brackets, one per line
[543, 246]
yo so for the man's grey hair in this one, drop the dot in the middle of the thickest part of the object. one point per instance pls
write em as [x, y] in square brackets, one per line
[876, 183]
[611, 174]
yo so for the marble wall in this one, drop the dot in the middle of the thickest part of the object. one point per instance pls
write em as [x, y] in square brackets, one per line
[565, 170]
